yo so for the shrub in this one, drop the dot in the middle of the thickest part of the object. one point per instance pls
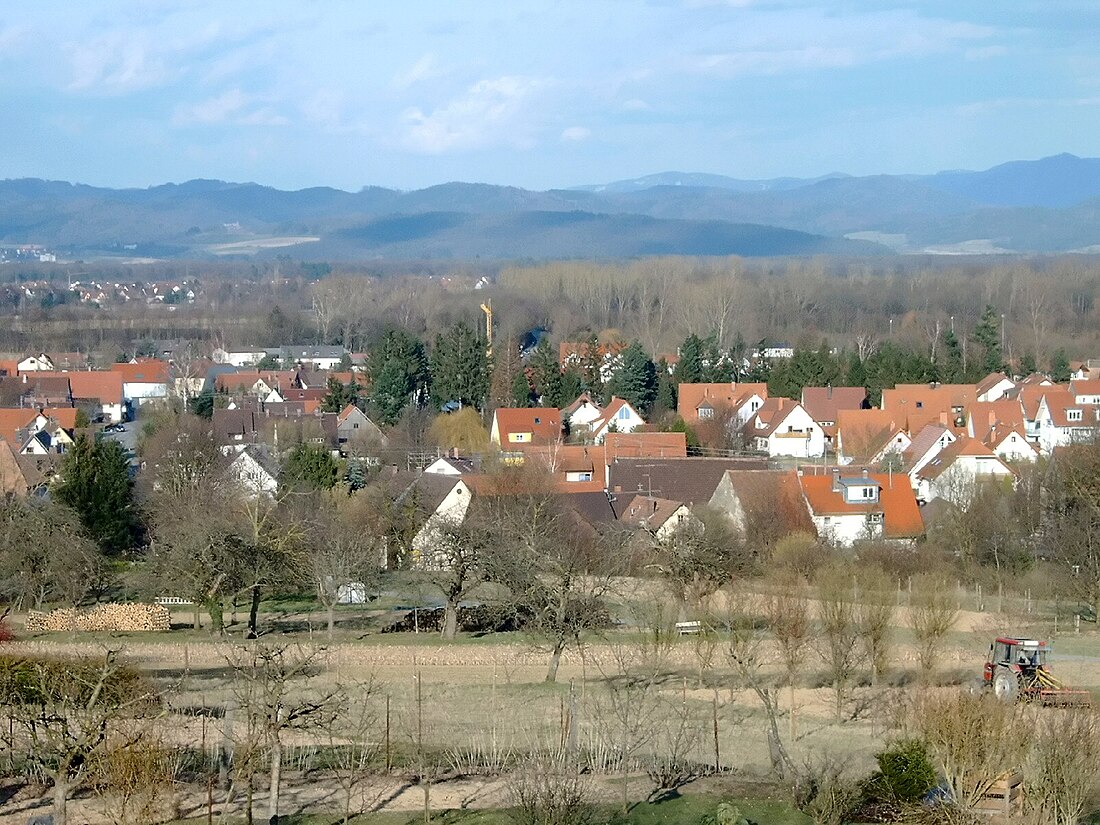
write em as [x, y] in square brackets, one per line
[905, 773]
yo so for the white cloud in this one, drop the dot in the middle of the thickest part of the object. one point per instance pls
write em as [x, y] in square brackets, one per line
[487, 114]
[423, 69]
[575, 134]
[635, 104]
[117, 63]
[325, 107]
[232, 106]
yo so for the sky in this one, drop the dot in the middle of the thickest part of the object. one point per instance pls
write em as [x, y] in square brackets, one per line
[537, 93]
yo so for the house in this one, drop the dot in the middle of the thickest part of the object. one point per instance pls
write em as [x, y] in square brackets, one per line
[235, 427]
[256, 470]
[13, 480]
[848, 507]
[36, 363]
[869, 436]
[702, 402]
[313, 357]
[1061, 420]
[101, 391]
[144, 381]
[516, 427]
[13, 424]
[773, 350]
[452, 465]
[1086, 392]
[660, 517]
[609, 356]
[442, 502]
[782, 427]
[994, 387]
[67, 361]
[1001, 426]
[573, 467]
[690, 480]
[1085, 370]
[351, 431]
[245, 357]
[581, 412]
[932, 440]
[763, 501]
[618, 417]
[255, 382]
[37, 389]
[953, 475]
[914, 405]
[823, 404]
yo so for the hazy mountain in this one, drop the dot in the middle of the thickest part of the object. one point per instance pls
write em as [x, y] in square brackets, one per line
[1048, 205]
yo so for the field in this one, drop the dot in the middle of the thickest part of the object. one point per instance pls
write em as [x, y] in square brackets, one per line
[458, 717]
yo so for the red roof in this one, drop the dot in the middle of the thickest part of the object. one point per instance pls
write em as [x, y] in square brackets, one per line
[543, 423]
[87, 385]
[823, 403]
[727, 395]
[145, 371]
[645, 445]
[897, 503]
[14, 420]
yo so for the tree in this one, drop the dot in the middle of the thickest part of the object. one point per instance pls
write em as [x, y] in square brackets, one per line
[546, 373]
[339, 395]
[268, 362]
[95, 482]
[460, 367]
[64, 714]
[987, 335]
[456, 565]
[460, 430]
[1059, 367]
[636, 380]
[689, 370]
[839, 641]
[931, 617]
[45, 556]
[398, 369]
[521, 391]
[788, 614]
[309, 467]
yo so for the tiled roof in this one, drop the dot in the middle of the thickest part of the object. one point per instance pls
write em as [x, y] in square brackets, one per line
[915, 405]
[774, 495]
[863, 434]
[823, 403]
[14, 420]
[145, 371]
[723, 395]
[544, 424]
[963, 447]
[645, 511]
[643, 444]
[691, 480]
[87, 385]
[901, 514]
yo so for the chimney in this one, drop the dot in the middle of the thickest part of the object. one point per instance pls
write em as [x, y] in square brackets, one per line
[830, 387]
[836, 479]
[866, 473]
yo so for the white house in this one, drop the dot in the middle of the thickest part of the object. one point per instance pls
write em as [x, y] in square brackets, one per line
[582, 412]
[255, 471]
[1085, 392]
[247, 357]
[445, 499]
[316, 357]
[1010, 444]
[659, 517]
[1061, 420]
[450, 466]
[36, 363]
[847, 507]
[144, 381]
[619, 417]
[954, 474]
[782, 427]
[994, 386]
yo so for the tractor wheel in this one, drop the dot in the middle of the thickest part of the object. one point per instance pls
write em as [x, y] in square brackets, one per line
[1005, 686]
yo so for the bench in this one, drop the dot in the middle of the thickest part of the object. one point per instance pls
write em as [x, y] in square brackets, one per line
[689, 628]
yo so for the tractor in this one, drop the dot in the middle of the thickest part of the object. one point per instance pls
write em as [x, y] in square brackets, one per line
[1017, 670]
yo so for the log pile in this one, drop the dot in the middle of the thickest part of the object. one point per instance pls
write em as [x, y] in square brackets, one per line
[117, 618]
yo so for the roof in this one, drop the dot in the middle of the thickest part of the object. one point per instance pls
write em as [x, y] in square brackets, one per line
[577, 403]
[104, 386]
[963, 447]
[924, 441]
[13, 481]
[823, 403]
[1036, 379]
[145, 371]
[990, 381]
[646, 511]
[14, 420]
[863, 434]
[594, 508]
[228, 424]
[728, 395]
[985, 416]
[642, 444]
[1059, 404]
[544, 423]
[307, 351]
[247, 379]
[897, 503]
[915, 405]
[569, 458]
[64, 416]
[1087, 387]
[774, 495]
[690, 480]
[771, 415]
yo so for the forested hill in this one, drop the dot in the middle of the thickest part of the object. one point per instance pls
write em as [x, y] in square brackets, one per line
[1050, 205]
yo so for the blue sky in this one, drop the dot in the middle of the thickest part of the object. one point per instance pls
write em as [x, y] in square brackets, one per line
[538, 93]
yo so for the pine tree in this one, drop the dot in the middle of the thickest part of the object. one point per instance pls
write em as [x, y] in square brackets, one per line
[521, 391]
[571, 385]
[591, 358]
[987, 335]
[398, 368]
[689, 370]
[636, 380]
[309, 468]
[460, 367]
[95, 482]
[507, 366]
[339, 395]
[547, 375]
[1059, 367]
[950, 364]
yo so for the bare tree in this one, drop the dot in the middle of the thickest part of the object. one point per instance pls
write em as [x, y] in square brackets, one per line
[875, 609]
[788, 613]
[65, 714]
[353, 740]
[1064, 769]
[268, 686]
[839, 645]
[931, 616]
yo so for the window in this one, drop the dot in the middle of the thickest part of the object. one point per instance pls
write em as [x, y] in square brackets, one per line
[584, 476]
[1073, 415]
[355, 426]
[680, 517]
[874, 518]
[920, 405]
[868, 492]
[538, 420]
[706, 412]
[624, 414]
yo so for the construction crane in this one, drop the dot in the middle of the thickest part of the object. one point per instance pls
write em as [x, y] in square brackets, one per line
[487, 308]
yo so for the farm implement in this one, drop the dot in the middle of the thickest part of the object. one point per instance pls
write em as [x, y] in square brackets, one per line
[1018, 670]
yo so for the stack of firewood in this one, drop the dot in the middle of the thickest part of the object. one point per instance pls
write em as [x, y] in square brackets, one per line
[102, 617]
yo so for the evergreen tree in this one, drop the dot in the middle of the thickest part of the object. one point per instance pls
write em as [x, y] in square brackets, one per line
[987, 335]
[309, 467]
[807, 368]
[1028, 364]
[507, 368]
[546, 373]
[460, 367]
[95, 482]
[339, 395]
[949, 366]
[398, 368]
[521, 391]
[571, 385]
[689, 370]
[202, 404]
[666, 388]
[718, 367]
[636, 380]
[591, 358]
[1059, 367]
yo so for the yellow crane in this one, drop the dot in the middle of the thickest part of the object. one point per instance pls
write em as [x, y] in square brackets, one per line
[487, 308]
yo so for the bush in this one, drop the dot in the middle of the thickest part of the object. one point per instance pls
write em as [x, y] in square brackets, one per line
[905, 773]
[549, 790]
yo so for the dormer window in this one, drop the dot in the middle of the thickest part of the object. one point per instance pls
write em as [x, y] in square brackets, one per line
[1073, 415]
[706, 412]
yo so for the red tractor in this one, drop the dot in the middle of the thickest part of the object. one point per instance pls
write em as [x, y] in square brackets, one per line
[1017, 669]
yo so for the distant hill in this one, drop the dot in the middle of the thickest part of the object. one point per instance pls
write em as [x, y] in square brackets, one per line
[1048, 205]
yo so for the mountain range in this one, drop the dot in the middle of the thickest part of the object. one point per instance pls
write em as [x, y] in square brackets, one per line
[1044, 206]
